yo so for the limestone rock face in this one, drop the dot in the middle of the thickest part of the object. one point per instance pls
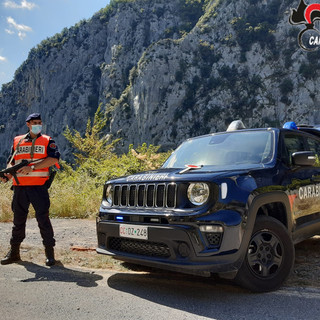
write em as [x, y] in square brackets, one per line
[167, 70]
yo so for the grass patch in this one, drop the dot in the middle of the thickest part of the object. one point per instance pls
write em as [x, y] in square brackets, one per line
[5, 202]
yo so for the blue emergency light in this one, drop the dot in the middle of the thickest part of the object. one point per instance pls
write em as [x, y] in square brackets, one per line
[290, 125]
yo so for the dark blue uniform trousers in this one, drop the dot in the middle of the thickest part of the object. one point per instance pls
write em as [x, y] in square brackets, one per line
[38, 196]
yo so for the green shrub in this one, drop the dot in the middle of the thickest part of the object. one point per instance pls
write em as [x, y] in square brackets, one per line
[77, 192]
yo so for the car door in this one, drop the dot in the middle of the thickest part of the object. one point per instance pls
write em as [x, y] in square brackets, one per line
[303, 183]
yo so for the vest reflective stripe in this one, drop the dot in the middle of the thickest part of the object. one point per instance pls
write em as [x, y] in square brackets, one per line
[34, 174]
[36, 177]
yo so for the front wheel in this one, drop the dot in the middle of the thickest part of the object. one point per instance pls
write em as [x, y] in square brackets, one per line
[270, 256]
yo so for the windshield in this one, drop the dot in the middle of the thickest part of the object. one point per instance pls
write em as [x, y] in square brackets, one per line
[242, 149]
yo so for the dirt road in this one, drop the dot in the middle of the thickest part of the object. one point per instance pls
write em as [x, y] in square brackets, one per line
[76, 243]
[68, 233]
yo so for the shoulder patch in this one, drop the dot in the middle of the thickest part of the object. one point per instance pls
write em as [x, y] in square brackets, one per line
[52, 146]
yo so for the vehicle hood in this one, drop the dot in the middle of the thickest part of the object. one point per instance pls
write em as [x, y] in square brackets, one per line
[173, 174]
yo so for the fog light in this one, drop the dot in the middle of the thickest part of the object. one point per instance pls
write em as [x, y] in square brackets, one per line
[211, 228]
[184, 250]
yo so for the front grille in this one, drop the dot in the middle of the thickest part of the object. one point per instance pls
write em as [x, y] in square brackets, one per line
[151, 195]
[139, 247]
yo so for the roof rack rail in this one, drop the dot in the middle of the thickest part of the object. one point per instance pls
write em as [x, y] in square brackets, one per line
[304, 126]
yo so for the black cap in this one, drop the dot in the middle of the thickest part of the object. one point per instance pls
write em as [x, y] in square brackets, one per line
[33, 116]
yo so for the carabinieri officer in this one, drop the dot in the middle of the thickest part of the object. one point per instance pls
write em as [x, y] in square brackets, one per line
[32, 187]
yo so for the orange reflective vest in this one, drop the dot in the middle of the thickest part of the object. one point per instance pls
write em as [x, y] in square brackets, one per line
[31, 150]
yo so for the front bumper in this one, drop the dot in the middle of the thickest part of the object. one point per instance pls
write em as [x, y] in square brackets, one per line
[176, 247]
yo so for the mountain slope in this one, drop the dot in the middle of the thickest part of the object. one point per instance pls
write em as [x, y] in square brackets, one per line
[165, 71]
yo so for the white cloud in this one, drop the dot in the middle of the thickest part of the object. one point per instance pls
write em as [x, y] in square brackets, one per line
[9, 31]
[14, 27]
[19, 27]
[3, 59]
[23, 5]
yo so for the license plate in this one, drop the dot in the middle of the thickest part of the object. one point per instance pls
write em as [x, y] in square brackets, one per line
[133, 231]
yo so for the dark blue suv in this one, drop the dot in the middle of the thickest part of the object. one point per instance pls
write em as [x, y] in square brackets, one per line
[232, 203]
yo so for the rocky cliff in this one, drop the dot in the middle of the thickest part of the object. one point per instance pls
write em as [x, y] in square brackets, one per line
[167, 70]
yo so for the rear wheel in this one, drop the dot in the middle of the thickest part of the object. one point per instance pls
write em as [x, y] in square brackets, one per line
[270, 256]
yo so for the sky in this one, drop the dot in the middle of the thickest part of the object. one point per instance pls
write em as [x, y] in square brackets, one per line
[25, 23]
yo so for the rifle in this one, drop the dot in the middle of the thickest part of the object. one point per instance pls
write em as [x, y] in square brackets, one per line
[13, 170]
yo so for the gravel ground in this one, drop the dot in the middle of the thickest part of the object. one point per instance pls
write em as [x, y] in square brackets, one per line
[68, 233]
[76, 243]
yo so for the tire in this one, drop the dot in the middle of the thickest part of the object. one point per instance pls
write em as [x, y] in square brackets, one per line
[269, 258]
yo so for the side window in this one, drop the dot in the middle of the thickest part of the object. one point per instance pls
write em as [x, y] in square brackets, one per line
[293, 143]
[314, 145]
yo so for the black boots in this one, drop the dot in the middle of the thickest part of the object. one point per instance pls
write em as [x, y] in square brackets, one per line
[13, 255]
[50, 261]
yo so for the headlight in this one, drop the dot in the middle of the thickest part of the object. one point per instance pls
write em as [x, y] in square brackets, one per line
[198, 193]
[109, 194]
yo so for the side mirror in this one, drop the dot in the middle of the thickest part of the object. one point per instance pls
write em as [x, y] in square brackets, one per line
[304, 158]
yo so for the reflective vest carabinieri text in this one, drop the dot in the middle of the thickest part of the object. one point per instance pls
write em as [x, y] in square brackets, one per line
[29, 150]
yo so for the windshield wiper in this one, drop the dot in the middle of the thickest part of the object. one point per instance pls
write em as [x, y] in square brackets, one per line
[190, 167]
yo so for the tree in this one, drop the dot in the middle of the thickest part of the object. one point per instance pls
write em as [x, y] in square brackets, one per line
[92, 145]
